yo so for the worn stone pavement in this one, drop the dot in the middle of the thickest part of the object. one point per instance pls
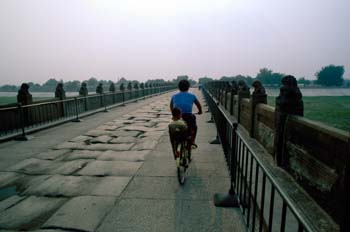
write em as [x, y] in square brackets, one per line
[118, 176]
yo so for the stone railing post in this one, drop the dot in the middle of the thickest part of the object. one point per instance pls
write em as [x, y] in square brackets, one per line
[241, 95]
[259, 96]
[289, 102]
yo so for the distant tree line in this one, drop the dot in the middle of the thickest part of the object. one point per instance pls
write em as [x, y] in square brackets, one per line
[330, 75]
[74, 86]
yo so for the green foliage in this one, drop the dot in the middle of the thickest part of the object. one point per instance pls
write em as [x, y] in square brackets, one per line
[268, 77]
[204, 80]
[331, 75]
[247, 79]
[331, 110]
[303, 81]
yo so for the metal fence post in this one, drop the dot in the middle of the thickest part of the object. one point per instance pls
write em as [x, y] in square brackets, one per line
[123, 95]
[229, 199]
[76, 111]
[104, 102]
[23, 136]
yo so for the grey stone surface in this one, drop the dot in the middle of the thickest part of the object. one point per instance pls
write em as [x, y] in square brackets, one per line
[101, 139]
[110, 168]
[159, 167]
[124, 133]
[79, 186]
[138, 128]
[204, 216]
[133, 156]
[146, 145]
[97, 132]
[69, 167]
[28, 181]
[195, 188]
[143, 215]
[7, 178]
[34, 166]
[52, 154]
[106, 147]
[81, 213]
[29, 213]
[154, 135]
[80, 139]
[95, 147]
[207, 169]
[9, 202]
[126, 139]
[82, 154]
[149, 200]
[70, 145]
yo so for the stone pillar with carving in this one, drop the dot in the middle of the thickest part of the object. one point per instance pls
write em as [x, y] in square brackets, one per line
[258, 96]
[59, 92]
[23, 96]
[289, 102]
[83, 91]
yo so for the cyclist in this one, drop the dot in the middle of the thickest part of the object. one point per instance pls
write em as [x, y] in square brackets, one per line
[184, 101]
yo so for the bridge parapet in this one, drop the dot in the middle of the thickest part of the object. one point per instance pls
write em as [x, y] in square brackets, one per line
[315, 156]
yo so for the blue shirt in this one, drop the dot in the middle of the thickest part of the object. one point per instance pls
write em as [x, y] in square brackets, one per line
[184, 101]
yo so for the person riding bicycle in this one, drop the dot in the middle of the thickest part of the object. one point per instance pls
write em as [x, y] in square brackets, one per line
[184, 101]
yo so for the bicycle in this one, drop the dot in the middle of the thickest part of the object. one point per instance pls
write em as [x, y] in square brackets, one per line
[182, 160]
[181, 153]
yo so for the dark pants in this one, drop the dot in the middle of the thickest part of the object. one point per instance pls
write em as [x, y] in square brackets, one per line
[190, 119]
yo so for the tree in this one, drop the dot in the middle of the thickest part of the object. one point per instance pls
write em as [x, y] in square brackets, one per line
[204, 80]
[50, 85]
[330, 75]
[303, 81]
[268, 77]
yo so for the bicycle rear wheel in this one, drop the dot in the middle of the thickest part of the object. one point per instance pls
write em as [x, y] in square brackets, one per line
[181, 165]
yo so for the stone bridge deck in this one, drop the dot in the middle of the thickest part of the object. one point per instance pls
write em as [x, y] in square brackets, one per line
[113, 172]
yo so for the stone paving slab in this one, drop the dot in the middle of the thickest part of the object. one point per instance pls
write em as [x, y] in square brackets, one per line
[155, 135]
[124, 133]
[34, 166]
[101, 139]
[95, 147]
[158, 168]
[138, 128]
[80, 139]
[7, 178]
[132, 156]
[97, 132]
[126, 139]
[9, 202]
[51, 154]
[82, 154]
[69, 186]
[69, 167]
[110, 168]
[198, 188]
[29, 213]
[143, 215]
[81, 213]
[146, 145]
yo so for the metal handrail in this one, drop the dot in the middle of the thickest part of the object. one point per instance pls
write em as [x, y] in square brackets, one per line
[287, 202]
[276, 185]
[31, 117]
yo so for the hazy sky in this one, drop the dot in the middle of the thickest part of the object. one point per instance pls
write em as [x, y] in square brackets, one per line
[144, 39]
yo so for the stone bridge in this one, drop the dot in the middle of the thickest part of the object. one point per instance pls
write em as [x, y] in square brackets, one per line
[114, 171]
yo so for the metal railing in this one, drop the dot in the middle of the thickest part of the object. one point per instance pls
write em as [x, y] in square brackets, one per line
[17, 121]
[265, 204]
